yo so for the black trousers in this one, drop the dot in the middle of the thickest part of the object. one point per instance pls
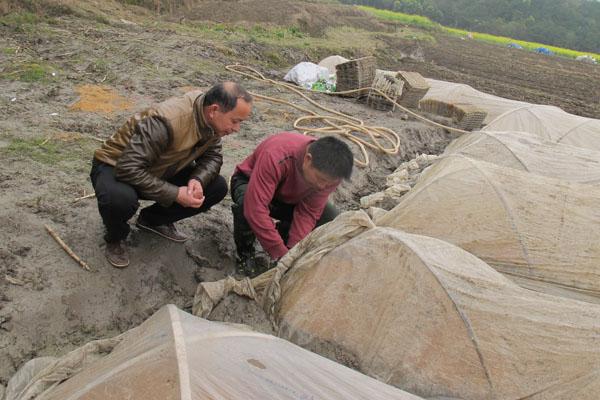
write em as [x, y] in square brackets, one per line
[118, 201]
[242, 233]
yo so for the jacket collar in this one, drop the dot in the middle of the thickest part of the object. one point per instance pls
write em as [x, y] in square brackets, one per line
[205, 132]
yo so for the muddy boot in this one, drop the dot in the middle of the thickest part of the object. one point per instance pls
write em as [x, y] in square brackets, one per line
[116, 254]
[252, 266]
[242, 233]
[246, 265]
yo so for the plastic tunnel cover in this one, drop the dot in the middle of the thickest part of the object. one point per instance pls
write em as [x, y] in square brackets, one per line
[423, 314]
[526, 152]
[174, 355]
[546, 233]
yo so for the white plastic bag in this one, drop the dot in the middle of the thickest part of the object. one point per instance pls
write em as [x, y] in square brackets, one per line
[306, 74]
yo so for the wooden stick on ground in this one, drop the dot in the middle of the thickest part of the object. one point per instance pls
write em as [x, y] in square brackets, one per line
[67, 249]
[87, 196]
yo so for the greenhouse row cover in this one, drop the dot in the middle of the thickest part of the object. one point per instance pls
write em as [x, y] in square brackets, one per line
[482, 283]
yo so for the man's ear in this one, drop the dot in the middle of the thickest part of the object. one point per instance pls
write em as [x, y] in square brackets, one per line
[307, 158]
[211, 110]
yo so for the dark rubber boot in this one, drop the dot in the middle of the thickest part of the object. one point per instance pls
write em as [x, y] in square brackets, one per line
[242, 233]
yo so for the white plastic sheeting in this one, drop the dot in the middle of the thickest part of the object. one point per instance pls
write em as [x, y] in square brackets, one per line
[528, 153]
[541, 230]
[450, 92]
[428, 317]
[550, 123]
[174, 355]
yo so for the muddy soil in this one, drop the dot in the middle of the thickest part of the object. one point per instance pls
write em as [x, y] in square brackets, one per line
[511, 73]
[49, 129]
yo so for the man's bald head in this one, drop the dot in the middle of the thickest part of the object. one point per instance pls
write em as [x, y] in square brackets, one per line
[226, 95]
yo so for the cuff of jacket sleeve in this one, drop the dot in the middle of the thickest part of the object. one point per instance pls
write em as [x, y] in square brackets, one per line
[200, 179]
[169, 195]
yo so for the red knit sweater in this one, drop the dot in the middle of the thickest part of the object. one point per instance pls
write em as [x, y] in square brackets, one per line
[275, 172]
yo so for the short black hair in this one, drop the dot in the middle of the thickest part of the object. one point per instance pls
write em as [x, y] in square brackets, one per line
[332, 156]
[226, 94]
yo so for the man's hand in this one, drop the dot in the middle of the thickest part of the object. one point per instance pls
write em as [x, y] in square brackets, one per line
[194, 189]
[187, 197]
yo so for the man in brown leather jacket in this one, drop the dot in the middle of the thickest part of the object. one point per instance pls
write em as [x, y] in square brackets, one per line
[170, 153]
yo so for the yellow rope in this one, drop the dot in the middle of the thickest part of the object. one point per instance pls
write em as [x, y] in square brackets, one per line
[339, 123]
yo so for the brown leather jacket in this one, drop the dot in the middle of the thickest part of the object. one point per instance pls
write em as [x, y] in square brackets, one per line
[157, 143]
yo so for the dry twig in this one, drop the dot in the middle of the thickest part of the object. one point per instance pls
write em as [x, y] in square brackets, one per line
[67, 249]
[87, 196]
[14, 281]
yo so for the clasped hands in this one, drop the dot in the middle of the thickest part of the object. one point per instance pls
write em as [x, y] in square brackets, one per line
[191, 195]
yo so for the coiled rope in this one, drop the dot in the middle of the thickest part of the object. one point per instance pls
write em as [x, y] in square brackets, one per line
[382, 139]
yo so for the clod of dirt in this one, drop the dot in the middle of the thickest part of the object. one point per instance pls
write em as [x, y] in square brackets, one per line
[5, 323]
[101, 99]
[201, 261]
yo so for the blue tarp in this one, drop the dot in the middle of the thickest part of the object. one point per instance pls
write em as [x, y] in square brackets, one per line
[543, 50]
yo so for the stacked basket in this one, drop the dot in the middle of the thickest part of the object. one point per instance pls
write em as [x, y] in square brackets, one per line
[355, 74]
[466, 116]
[385, 82]
[415, 87]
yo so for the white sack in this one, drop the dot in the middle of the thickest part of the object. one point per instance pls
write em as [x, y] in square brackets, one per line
[306, 73]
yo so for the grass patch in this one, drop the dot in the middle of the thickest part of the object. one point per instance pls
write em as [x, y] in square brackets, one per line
[25, 22]
[275, 33]
[9, 51]
[349, 39]
[18, 19]
[408, 19]
[336, 40]
[219, 31]
[29, 72]
[50, 151]
[274, 58]
[39, 150]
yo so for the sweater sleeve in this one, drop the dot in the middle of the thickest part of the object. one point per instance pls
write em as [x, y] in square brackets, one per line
[306, 215]
[263, 183]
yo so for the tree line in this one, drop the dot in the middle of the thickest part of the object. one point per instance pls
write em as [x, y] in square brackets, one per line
[573, 24]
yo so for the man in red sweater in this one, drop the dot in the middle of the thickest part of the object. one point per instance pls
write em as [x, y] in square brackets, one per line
[288, 177]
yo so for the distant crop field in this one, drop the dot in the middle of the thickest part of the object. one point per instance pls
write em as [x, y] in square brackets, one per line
[409, 19]
[426, 23]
